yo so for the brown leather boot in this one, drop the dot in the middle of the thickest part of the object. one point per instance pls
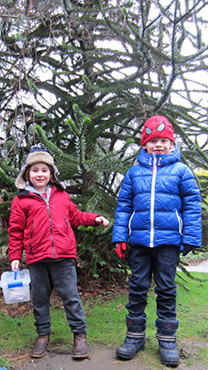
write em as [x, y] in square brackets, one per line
[40, 347]
[80, 346]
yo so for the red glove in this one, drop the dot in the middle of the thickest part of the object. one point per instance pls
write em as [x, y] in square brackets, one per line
[120, 249]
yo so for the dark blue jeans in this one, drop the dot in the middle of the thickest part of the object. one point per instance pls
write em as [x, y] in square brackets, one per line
[62, 276]
[160, 263]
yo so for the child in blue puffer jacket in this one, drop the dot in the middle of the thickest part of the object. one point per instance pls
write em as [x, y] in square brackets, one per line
[159, 213]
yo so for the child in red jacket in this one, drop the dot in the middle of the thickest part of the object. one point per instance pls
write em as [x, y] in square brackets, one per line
[41, 221]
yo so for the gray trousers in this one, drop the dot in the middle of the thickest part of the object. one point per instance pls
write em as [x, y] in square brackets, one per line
[62, 276]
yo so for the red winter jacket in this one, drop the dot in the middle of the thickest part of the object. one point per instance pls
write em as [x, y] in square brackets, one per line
[45, 231]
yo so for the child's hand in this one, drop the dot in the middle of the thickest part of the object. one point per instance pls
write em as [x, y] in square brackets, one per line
[102, 221]
[120, 249]
[15, 265]
[186, 249]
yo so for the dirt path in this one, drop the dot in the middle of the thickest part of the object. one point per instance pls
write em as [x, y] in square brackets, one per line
[103, 358]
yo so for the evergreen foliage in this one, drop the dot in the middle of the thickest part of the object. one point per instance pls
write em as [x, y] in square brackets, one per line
[81, 77]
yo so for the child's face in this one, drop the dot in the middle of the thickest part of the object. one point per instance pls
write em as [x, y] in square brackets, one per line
[158, 145]
[39, 176]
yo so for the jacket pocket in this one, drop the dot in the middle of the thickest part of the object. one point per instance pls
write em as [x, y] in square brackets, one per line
[180, 223]
[68, 229]
[31, 237]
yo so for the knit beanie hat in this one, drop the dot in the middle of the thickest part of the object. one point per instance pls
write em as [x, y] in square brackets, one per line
[37, 154]
[157, 126]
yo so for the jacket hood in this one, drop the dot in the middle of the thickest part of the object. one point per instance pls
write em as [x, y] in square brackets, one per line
[146, 159]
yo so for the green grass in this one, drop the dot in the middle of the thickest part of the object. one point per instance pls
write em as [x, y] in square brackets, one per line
[106, 324]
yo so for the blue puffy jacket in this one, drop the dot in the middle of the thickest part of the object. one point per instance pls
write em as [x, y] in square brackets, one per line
[159, 203]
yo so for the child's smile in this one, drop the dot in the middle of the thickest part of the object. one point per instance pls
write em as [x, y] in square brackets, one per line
[158, 146]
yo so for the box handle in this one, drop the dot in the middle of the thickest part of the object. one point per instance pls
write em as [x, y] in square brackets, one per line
[14, 285]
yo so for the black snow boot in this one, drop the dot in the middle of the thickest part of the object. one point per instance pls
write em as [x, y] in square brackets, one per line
[166, 335]
[135, 338]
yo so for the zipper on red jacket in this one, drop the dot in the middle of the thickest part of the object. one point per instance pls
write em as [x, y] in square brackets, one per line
[51, 229]
[49, 212]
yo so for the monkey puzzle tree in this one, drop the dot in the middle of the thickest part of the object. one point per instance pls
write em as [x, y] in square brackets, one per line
[89, 74]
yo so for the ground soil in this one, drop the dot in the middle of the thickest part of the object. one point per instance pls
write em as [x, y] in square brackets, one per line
[100, 357]
[103, 358]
